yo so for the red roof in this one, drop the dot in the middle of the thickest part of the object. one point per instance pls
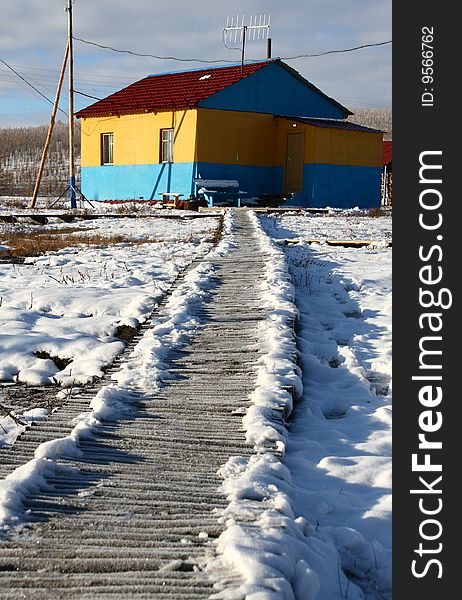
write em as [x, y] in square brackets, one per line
[387, 153]
[183, 89]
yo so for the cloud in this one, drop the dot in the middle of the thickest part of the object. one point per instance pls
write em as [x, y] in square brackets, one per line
[33, 37]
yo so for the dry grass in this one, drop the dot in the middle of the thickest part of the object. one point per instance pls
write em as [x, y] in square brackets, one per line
[218, 233]
[34, 243]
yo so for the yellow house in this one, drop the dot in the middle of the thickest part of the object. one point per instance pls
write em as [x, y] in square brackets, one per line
[264, 126]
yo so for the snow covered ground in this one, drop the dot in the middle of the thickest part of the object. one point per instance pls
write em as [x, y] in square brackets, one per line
[325, 530]
[339, 443]
[349, 225]
[61, 313]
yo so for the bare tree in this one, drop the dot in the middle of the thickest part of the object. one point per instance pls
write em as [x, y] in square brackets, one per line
[376, 118]
[20, 152]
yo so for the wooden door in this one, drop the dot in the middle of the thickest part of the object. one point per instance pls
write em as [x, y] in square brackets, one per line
[293, 172]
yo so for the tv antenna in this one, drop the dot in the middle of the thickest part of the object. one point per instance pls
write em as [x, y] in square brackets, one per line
[236, 31]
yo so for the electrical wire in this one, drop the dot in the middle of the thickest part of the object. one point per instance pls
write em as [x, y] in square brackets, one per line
[83, 84]
[37, 90]
[27, 82]
[224, 41]
[149, 55]
[86, 95]
[336, 51]
[228, 61]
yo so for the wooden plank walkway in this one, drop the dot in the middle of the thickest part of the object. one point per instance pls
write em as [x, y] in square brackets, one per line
[138, 516]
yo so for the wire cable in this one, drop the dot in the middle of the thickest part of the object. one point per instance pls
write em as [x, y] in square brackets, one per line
[37, 90]
[86, 95]
[341, 51]
[149, 55]
[336, 51]
[28, 83]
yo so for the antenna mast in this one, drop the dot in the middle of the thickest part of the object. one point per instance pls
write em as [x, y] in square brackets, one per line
[72, 191]
[236, 31]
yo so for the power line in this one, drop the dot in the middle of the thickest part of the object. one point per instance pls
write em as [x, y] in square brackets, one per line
[36, 89]
[149, 55]
[86, 95]
[341, 51]
[336, 51]
[27, 82]
[228, 61]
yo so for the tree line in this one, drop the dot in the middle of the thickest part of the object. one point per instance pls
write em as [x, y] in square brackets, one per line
[20, 153]
[376, 118]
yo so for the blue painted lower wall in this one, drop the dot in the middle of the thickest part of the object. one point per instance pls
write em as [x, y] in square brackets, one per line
[128, 182]
[253, 180]
[339, 186]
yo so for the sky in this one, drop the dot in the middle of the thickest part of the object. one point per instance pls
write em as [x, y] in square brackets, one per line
[33, 36]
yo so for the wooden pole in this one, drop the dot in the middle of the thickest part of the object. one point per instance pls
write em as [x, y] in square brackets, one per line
[50, 130]
[72, 195]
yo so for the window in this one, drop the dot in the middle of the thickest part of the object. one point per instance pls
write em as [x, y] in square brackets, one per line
[166, 145]
[107, 148]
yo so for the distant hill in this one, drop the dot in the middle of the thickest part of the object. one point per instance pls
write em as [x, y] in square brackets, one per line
[377, 118]
[20, 153]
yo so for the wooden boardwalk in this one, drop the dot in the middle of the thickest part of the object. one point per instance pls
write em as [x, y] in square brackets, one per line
[138, 515]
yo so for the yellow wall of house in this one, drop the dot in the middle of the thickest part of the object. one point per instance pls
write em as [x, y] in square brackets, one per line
[233, 137]
[137, 137]
[226, 137]
[332, 146]
[346, 147]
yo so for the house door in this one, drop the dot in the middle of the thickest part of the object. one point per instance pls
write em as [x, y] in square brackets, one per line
[293, 173]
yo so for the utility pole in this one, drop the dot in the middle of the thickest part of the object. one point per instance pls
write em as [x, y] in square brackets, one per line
[72, 194]
[50, 131]
[72, 188]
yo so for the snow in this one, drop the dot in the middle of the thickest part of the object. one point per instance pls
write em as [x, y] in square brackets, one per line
[64, 304]
[276, 552]
[339, 449]
[70, 304]
[142, 372]
[309, 513]
[347, 225]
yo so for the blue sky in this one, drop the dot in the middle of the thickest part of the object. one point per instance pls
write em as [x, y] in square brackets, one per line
[33, 36]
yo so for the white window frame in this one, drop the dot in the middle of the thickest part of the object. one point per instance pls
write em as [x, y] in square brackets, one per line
[166, 145]
[107, 148]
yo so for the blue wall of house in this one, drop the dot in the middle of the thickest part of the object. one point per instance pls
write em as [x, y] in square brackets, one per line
[275, 91]
[340, 186]
[253, 180]
[337, 186]
[127, 182]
